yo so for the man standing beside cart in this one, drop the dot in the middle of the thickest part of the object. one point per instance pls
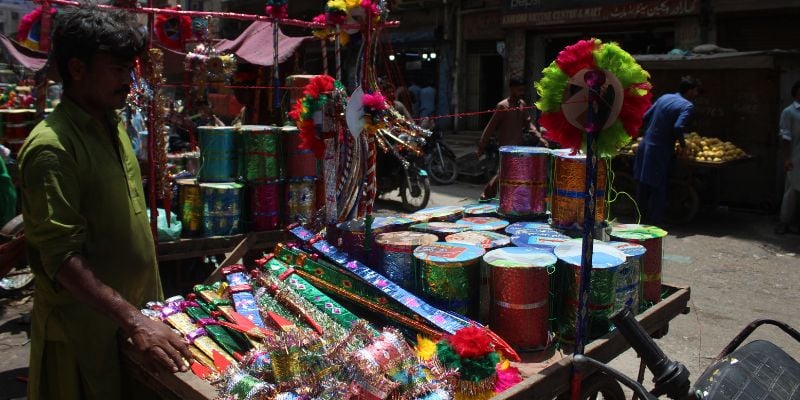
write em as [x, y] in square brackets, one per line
[790, 148]
[665, 122]
[508, 124]
[89, 240]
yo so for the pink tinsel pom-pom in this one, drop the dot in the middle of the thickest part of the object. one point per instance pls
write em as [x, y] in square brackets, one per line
[277, 11]
[370, 7]
[374, 102]
[506, 378]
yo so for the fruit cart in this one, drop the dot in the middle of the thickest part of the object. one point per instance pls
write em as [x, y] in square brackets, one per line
[546, 374]
[695, 181]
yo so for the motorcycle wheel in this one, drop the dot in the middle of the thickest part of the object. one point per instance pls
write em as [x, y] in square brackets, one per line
[443, 170]
[415, 197]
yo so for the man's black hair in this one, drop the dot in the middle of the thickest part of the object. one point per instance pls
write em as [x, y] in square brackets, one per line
[795, 88]
[516, 82]
[688, 83]
[82, 32]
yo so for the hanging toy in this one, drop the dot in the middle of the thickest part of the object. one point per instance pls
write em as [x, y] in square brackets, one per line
[564, 95]
[29, 29]
[173, 31]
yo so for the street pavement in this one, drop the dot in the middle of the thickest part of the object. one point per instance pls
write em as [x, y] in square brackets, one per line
[738, 271]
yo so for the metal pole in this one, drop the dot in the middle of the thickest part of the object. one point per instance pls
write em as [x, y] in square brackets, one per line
[594, 80]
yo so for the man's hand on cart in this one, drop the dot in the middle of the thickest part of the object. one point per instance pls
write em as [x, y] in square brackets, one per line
[162, 347]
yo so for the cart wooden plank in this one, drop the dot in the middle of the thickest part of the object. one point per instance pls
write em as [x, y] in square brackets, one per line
[545, 384]
[190, 248]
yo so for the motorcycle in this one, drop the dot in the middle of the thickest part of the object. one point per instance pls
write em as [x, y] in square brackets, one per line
[482, 168]
[757, 370]
[440, 160]
[401, 169]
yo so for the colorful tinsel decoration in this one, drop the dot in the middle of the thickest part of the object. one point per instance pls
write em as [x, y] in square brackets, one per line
[277, 8]
[374, 110]
[173, 31]
[470, 352]
[316, 94]
[555, 84]
[29, 28]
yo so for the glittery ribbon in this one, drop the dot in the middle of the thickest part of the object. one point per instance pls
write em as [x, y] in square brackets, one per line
[444, 321]
[241, 386]
[265, 205]
[173, 315]
[233, 342]
[221, 209]
[261, 153]
[217, 154]
[190, 207]
[568, 191]
[243, 300]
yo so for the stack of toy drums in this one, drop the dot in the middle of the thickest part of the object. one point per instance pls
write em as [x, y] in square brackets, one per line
[395, 256]
[352, 236]
[220, 197]
[524, 173]
[302, 170]
[262, 169]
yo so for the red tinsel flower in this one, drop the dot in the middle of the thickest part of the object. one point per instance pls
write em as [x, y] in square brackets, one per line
[577, 57]
[374, 102]
[471, 342]
[277, 11]
[297, 109]
[173, 31]
[320, 19]
[318, 85]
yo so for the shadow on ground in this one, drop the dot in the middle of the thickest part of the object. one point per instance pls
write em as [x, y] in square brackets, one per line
[12, 383]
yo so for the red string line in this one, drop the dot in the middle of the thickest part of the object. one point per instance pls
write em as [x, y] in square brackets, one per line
[217, 14]
[254, 87]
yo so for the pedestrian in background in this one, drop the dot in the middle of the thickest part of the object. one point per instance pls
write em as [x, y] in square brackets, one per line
[508, 125]
[790, 149]
[665, 122]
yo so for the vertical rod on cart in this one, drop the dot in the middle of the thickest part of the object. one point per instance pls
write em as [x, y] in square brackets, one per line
[324, 51]
[151, 137]
[276, 80]
[594, 79]
[338, 52]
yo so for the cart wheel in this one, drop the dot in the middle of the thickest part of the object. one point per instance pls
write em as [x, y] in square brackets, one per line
[601, 386]
[684, 203]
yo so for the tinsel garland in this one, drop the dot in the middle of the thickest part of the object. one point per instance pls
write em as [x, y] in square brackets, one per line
[173, 31]
[315, 94]
[374, 109]
[277, 8]
[555, 83]
[158, 107]
[27, 22]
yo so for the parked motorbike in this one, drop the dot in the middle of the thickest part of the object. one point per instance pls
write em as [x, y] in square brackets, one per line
[440, 160]
[482, 168]
[401, 169]
[757, 370]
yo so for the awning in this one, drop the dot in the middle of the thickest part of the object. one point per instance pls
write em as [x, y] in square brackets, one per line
[17, 53]
[255, 44]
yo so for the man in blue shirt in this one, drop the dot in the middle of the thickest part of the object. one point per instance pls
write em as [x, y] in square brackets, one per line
[665, 122]
[790, 148]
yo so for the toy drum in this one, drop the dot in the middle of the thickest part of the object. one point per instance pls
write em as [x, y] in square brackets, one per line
[265, 205]
[17, 124]
[542, 240]
[569, 191]
[221, 209]
[483, 223]
[518, 227]
[606, 262]
[395, 254]
[262, 153]
[480, 210]
[352, 235]
[628, 276]
[519, 292]
[523, 180]
[443, 214]
[416, 218]
[652, 238]
[218, 154]
[440, 229]
[300, 163]
[190, 207]
[300, 197]
[487, 239]
[449, 276]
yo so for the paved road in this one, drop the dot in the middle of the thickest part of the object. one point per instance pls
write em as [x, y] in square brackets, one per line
[737, 268]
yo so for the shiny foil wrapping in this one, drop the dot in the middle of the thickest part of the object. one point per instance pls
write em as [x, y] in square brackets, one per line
[218, 154]
[449, 276]
[519, 305]
[300, 163]
[300, 199]
[184, 324]
[523, 181]
[262, 153]
[395, 253]
[652, 238]
[602, 298]
[222, 209]
[190, 208]
[628, 285]
[569, 191]
[265, 205]
[352, 237]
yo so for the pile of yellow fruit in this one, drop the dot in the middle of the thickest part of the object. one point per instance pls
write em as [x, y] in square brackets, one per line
[710, 149]
[699, 148]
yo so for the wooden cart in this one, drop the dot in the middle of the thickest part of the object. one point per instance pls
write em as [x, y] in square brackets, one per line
[543, 380]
